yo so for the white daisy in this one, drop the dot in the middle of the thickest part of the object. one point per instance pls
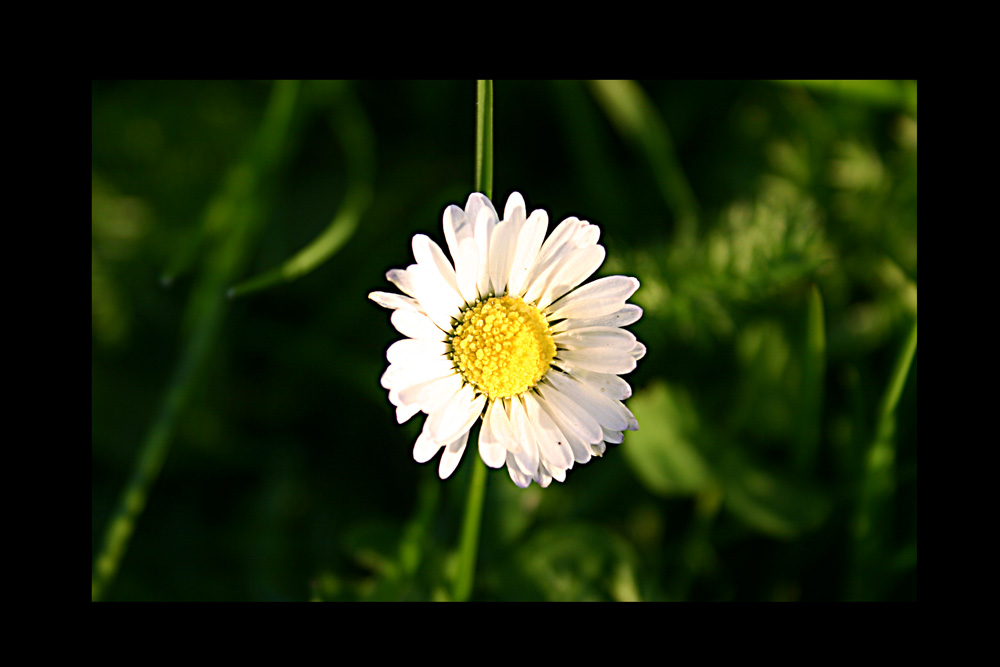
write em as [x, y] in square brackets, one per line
[507, 335]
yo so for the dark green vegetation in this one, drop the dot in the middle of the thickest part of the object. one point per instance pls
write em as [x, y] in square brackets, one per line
[773, 227]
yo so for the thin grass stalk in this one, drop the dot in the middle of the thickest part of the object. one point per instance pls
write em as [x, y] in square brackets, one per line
[357, 140]
[873, 522]
[241, 198]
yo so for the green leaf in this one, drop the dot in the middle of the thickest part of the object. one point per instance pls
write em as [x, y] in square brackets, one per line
[661, 452]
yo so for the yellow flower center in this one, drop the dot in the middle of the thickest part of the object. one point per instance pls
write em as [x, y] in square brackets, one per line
[502, 346]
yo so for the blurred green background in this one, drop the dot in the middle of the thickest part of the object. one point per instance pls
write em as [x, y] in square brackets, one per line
[773, 226]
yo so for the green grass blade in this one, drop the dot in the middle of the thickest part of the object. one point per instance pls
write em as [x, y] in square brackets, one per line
[881, 93]
[357, 139]
[589, 145]
[872, 525]
[632, 113]
[241, 200]
[810, 413]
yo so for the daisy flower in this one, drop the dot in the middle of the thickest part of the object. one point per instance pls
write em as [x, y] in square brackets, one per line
[506, 334]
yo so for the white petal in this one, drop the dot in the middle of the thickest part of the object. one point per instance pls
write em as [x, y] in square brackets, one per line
[599, 360]
[417, 368]
[391, 373]
[543, 478]
[528, 243]
[408, 350]
[401, 279]
[501, 427]
[552, 444]
[589, 235]
[518, 477]
[452, 455]
[570, 416]
[515, 210]
[639, 351]
[610, 385]
[573, 270]
[595, 337]
[425, 448]
[560, 241]
[614, 437]
[437, 391]
[430, 256]
[527, 453]
[503, 243]
[467, 271]
[633, 423]
[626, 315]
[548, 474]
[581, 449]
[563, 240]
[474, 207]
[486, 221]
[394, 301]
[405, 382]
[603, 296]
[409, 385]
[608, 413]
[406, 394]
[492, 449]
[457, 227]
[434, 396]
[416, 325]
[404, 413]
[456, 416]
[440, 301]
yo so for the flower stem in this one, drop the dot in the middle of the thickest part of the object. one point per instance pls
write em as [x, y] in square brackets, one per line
[484, 137]
[469, 543]
[469, 546]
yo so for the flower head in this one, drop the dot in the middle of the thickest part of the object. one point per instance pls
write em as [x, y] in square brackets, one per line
[507, 334]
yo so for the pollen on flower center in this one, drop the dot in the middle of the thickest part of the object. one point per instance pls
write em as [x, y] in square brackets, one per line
[502, 346]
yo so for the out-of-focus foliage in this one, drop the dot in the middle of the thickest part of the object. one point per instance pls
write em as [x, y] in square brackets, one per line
[773, 226]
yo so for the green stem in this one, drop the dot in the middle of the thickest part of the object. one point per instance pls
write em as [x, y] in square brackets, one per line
[469, 543]
[469, 546]
[484, 137]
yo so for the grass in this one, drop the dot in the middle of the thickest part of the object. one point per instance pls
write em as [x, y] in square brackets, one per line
[243, 448]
